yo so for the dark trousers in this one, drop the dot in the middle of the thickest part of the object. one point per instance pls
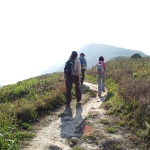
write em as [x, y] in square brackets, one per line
[70, 79]
[83, 75]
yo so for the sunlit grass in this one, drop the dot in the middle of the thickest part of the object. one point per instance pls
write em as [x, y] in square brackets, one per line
[128, 93]
[24, 102]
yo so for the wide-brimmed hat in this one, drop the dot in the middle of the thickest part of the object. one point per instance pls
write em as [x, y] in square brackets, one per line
[82, 54]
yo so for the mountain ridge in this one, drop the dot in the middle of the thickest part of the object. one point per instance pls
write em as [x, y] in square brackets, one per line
[92, 53]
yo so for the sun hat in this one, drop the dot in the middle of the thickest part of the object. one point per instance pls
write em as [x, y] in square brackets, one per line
[82, 54]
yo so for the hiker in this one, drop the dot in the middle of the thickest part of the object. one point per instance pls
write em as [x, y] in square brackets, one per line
[83, 66]
[73, 78]
[101, 75]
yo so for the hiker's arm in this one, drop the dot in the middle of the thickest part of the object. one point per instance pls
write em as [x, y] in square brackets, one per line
[96, 68]
[105, 67]
[85, 65]
[77, 67]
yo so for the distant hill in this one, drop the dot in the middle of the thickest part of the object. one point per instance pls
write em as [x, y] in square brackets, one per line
[94, 51]
[119, 58]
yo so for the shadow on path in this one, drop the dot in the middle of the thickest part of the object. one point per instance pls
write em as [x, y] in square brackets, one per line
[72, 126]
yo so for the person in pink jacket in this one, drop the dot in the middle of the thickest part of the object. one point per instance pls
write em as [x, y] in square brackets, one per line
[101, 76]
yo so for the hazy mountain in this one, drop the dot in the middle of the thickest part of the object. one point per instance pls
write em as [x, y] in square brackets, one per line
[119, 58]
[54, 68]
[94, 51]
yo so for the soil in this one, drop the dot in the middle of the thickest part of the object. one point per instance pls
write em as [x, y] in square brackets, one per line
[87, 126]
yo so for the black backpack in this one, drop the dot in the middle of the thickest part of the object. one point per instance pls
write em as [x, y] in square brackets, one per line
[69, 67]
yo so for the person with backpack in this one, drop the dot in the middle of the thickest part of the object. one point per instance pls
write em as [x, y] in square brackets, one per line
[100, 73]
[72, 72]
[83, 66]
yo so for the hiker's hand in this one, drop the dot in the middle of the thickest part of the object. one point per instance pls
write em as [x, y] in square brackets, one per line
[79, 80]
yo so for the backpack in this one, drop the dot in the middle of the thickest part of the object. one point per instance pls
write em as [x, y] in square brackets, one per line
[100, 68]
[82, 61]
[69, 67]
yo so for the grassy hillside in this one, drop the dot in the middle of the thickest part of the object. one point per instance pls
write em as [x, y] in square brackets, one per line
[24, 102]
[128, 98]
[129, 94]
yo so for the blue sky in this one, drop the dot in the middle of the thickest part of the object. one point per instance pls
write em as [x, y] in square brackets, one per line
[36, 34]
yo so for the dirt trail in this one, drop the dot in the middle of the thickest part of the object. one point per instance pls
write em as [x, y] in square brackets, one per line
[53, 136]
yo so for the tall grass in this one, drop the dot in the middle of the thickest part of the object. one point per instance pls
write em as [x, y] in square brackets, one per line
[24, 102]
[132, 77]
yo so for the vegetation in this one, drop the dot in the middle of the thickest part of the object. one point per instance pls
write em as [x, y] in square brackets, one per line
[128, 97]
[129, 94]
[25, 102]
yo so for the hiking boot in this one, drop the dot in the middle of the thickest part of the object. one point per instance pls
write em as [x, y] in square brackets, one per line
[67, 112]
[78, 101]
[81, 85]
[78, 105]
[103, 90]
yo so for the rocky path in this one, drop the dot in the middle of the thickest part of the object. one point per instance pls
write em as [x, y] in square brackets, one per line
[54, 136]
